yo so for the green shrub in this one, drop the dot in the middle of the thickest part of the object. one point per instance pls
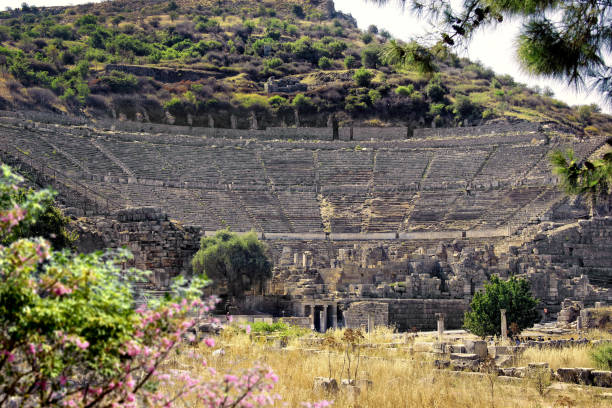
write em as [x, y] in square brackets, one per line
[85, 20]
[120, 82]
[325, 63]
[277, 102]
[281, 328]
[273, 62]
[404, 90]
[366, 38]
[63, 32]
[436, 90]
[363, 77]
[301, 102]
[370, 57]
[465, 108]
[374, 95]
[251, 101]
[602, 356]
[350, 62]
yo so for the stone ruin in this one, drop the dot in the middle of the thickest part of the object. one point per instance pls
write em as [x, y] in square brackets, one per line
[371, 232]
[284, 85]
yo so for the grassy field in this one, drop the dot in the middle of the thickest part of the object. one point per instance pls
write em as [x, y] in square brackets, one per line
[399, 378]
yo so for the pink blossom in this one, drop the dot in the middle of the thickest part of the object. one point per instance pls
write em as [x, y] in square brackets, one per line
[10, 357]
[230, 378]
[81, 344]
[210, 342]
[60, 290]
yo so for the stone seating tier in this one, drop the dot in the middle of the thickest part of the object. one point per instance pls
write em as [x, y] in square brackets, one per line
[416, 185]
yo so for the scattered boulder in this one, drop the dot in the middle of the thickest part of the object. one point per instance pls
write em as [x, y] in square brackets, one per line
[575, 375]
[324, 384]
[602, 378]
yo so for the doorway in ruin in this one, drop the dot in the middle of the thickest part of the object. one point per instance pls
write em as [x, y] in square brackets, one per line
[339, 316]
[317, 317]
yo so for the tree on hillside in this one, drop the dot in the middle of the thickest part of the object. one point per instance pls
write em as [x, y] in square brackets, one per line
[514, 295]
[237, 260]
[591, 179]
[559, 39]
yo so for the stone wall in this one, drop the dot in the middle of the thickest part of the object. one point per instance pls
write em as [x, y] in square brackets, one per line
[348, 133]
[159, 245]
[476, 130]
[358, 314]
[405, 314]
[164, 74]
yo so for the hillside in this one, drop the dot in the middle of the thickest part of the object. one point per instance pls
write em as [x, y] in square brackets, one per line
[239, 63]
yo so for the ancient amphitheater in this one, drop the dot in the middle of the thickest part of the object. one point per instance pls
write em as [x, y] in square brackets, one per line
[385, 224]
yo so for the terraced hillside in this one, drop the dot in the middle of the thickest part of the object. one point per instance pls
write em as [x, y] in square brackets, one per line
[491, 181]
[246, 64]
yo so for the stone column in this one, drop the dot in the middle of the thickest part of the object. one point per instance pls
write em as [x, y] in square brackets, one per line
[504, 327]
[334, 316]
[371, 322]
[312, 317]
[233, 121]
[440, 317]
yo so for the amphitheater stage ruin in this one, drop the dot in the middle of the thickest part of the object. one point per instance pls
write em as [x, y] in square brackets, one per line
[382, 229]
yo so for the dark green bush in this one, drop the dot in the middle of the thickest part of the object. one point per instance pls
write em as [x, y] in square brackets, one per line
[363, 77]
[120, 82]
[514, 295]
[325, 63]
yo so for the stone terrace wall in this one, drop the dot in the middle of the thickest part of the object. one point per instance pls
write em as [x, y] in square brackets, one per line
[274, 133]
[373, 133]
[476, 130]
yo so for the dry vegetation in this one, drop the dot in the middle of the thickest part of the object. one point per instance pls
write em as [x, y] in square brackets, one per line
[399, 378]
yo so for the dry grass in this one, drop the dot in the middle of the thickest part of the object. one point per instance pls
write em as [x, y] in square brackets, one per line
[399, 379]
[559, 357]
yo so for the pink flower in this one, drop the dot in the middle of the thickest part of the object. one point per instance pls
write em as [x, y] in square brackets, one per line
[32, 348]
[210, 342]
[230, 378]
[60, 290]
[247, 329]
[81, 344]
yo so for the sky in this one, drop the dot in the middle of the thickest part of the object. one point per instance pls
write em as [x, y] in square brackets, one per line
[493, 47]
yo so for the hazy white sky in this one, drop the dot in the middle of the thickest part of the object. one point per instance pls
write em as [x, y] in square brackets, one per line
[493, 47]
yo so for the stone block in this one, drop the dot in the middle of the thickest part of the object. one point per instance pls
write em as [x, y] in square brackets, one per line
[464, 356]
[421, 347]
[602, 378]
[478, 347]
[575, 375]
[324, 384]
